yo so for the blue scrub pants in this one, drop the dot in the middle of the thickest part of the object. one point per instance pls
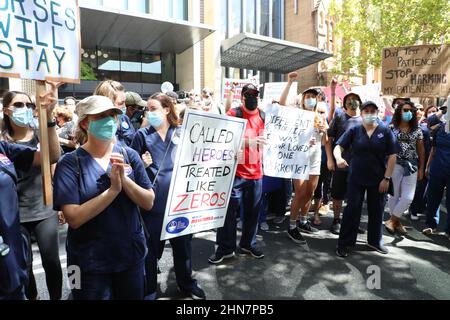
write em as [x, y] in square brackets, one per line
[181, 250]
[352, 215]
[126, 285]
[248, 193]
[436, 186]
[420, 198]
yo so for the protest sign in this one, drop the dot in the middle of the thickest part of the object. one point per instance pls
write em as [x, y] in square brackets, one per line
[273, 91]
[416, 71]
[288, 132]
[40, 40]
[203, 174]
[238, 85]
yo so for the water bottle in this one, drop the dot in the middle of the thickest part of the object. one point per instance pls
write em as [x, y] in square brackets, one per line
[4, 248]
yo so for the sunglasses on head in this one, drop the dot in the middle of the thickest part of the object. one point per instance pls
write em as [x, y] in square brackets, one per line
[22, 104]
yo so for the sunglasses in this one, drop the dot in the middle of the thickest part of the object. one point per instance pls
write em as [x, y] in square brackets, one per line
[21, 105]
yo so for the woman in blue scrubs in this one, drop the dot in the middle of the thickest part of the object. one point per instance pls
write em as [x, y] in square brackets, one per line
[100, 187]
[438, 170]
[14, 157]
[160, 140]
[371, 144]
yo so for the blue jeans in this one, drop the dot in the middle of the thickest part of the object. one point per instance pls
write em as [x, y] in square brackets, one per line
[436, 186]
[126, 285]
[248, 193]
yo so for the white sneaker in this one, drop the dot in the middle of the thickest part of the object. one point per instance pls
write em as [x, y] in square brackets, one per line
[429, 231]
[414, 217]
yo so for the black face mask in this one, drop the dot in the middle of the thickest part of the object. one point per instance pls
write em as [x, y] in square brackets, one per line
[251, 103]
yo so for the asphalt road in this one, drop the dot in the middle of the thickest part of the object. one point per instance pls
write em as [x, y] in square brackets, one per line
[417, 267]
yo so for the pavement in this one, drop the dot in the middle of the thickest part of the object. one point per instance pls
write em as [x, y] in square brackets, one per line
[417, 268]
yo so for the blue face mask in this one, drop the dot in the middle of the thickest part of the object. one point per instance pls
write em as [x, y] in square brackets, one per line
[310, 103]
[22, 117]
[370, 118]
[154, 119]
[103, 129]
[407, 116]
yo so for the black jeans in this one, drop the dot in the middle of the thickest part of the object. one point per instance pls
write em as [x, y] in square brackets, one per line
[46, 232]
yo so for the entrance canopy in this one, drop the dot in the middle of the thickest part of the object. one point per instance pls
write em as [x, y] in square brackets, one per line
[110, 28]
[255, 52]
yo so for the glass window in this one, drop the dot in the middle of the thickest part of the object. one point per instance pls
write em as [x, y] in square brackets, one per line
[162, 8]
[224, 20]
[277, 19]
[264, 28]
[151, 68]
[236, 17]
[250, 16]
[180, 9]
[137, 6]
[130, 66]
[108, 63]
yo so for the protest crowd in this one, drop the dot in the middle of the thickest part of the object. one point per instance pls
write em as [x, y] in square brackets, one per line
[113, 161]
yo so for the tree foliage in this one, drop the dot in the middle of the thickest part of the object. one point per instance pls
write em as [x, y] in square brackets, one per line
[368, 26]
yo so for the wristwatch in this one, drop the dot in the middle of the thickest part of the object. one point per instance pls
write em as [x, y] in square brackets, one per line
[388, 178]
[52, 123]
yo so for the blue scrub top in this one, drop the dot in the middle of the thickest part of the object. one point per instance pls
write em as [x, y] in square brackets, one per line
[13, 266]
[113, 241]
[148, 139]
[368, 158]
[426, 140]
[441, 141]
[125, 132]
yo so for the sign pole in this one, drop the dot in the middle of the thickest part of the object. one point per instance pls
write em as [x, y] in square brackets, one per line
[44, 145]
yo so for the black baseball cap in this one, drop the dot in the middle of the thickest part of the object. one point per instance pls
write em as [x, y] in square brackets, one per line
[368, 104]
[249, 88]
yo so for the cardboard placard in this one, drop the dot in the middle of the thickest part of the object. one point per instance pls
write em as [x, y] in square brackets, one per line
[416, 71]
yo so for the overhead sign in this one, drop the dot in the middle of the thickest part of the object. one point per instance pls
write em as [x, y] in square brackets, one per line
[416, 71]
[203, 174]
[288, 133]
[40, 40]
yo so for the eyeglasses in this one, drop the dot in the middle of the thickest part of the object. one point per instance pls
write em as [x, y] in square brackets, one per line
[22, 104]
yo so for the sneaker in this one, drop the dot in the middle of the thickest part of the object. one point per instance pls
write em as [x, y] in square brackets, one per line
[239, 225]
[218, 258]
[429, 231]
[279, 220]
[381, 248]
[264, 226]
[447, 235]
[254, 252]
[195, 293]
[361, 230]
[336, 226]
[414, 217]
[389, 226]
[342, 252]
[401, 229]
[296, 236]
[323, 210]
[307, 227]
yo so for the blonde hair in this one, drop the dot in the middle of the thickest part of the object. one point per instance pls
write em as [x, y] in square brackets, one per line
[109, 89]
[80, 135]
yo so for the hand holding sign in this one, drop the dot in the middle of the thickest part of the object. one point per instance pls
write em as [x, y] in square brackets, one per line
[50, 98]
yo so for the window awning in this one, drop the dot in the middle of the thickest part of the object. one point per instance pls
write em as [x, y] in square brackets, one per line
[111, 28]
[255, 52]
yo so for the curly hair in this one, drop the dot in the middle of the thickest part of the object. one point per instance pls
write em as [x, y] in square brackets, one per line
[397, 118]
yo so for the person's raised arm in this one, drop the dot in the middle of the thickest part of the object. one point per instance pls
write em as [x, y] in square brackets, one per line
[229, 101]
[291, 78]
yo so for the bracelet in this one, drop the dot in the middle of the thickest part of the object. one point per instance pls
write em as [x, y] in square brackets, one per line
[51, 124]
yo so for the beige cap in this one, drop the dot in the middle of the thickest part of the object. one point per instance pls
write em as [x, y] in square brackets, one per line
[134, 99]
[95, 105]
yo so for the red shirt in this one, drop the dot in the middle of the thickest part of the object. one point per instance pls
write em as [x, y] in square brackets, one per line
[251, 166]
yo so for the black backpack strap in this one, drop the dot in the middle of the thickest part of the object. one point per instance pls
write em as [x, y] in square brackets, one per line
[240, 113]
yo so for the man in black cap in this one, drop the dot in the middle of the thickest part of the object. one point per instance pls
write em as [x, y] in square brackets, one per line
[135, 108]
[247, 186]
